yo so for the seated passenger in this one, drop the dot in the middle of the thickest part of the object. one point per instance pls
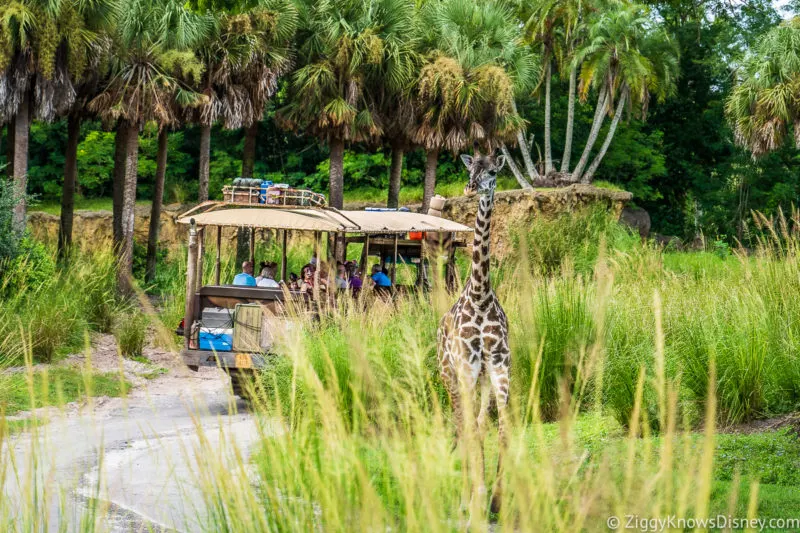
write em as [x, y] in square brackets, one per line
[342, 282]
[267, 277]
[353, 277]
[245, 278]
[307, 278]
[294, 282]
[379, 278]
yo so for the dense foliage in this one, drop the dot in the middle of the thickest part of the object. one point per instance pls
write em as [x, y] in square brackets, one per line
[674, 147]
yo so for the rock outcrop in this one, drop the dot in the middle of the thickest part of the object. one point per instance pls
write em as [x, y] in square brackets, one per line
[513, 209]
[92, 230]
[519, 208]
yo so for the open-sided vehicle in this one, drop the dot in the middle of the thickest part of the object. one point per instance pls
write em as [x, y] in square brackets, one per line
[233, 327]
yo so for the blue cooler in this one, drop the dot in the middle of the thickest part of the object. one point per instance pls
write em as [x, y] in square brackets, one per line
[215, 339]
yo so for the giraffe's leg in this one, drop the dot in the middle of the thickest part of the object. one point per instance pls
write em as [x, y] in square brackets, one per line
[498, 374]
[486, 400]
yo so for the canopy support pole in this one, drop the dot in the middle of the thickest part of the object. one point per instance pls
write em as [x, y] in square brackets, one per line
[365, 256]
[218, 262]
[283, 256]
[317, 238]
[191, 280]
[201, 252]
[253, 246]
[394, 259]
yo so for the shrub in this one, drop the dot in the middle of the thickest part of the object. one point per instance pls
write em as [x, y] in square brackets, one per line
[130, 330]
[572, 239]
[32, 267]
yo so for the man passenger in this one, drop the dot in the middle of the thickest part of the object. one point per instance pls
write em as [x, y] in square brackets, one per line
[245, 278]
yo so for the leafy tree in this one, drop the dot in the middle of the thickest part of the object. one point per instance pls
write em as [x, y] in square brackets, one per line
[763, 106]
[244, 57]
[345, 48]
[46, 47]
[465, 90]
[152, 56]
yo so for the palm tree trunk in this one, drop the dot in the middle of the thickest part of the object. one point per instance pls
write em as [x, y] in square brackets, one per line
[525, 184]
[68, 190]
[429, 188]
[526, 153]
[10, 148]
[337, 174]
[249, 152]
[155, 210]
[118, 185]
[395, 174]
[573, 75]
[548, 152]
[587, 177]
[205, 162]
[597, 123]
[125, 273]
[19, 164]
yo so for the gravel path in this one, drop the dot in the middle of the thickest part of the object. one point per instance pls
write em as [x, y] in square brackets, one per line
[138, 454]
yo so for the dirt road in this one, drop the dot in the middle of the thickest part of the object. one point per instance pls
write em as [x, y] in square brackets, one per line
[135, 456]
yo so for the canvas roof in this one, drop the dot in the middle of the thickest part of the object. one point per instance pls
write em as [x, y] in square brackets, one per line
[326, 220]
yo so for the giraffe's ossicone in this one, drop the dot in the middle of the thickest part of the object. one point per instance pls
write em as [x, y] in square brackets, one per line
[473, 335]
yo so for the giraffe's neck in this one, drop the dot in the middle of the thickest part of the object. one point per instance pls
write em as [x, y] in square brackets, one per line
[480, 286]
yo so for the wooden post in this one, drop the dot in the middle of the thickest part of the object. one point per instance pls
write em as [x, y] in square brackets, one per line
[201, 252]
[191, 275]
[365, 256]
[423, 252]
[335, 254]
[283, 257]
[394, 259]
[317, 237]
[253, 247]
[218, 264]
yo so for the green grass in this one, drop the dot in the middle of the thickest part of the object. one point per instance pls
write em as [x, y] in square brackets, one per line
[57, 386]
[630, 349]
[81, 204]
[413, 195]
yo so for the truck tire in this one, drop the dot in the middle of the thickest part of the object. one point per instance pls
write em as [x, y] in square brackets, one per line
[241, 381]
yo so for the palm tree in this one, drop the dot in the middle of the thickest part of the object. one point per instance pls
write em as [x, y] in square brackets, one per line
[626, 57]
[98, 19]
[152, 55]
[763, 105]
[556, 26]
[465, 90]
[43, 49]
[244, 58]
[347, 47]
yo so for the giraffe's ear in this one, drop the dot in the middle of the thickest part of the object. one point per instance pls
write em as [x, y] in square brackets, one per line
[500, 162]
[467, 159]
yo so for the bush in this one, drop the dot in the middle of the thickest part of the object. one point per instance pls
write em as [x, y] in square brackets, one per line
[32, 267]
[9, 238]
[130, 330]
[573, 239]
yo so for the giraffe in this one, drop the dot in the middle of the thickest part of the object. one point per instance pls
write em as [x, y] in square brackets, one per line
[473, 335]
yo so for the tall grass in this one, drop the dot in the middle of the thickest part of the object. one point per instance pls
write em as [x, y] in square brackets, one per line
[52, 312]
[613, 339]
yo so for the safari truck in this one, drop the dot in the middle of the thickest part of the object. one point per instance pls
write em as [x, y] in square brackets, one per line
[234, 327]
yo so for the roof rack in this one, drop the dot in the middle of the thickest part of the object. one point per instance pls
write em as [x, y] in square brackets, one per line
[272, 196]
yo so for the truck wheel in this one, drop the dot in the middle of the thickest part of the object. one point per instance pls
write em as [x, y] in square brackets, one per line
[241, 381]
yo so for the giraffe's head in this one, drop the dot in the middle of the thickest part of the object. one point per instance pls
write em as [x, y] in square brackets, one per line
[483, 170]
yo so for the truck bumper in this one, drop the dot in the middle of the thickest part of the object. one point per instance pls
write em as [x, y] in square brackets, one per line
[198, 358]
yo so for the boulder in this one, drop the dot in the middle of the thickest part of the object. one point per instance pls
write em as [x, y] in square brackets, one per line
[637, 219]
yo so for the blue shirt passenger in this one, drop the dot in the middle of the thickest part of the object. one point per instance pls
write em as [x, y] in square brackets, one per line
[380, 279]
[245, 278]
